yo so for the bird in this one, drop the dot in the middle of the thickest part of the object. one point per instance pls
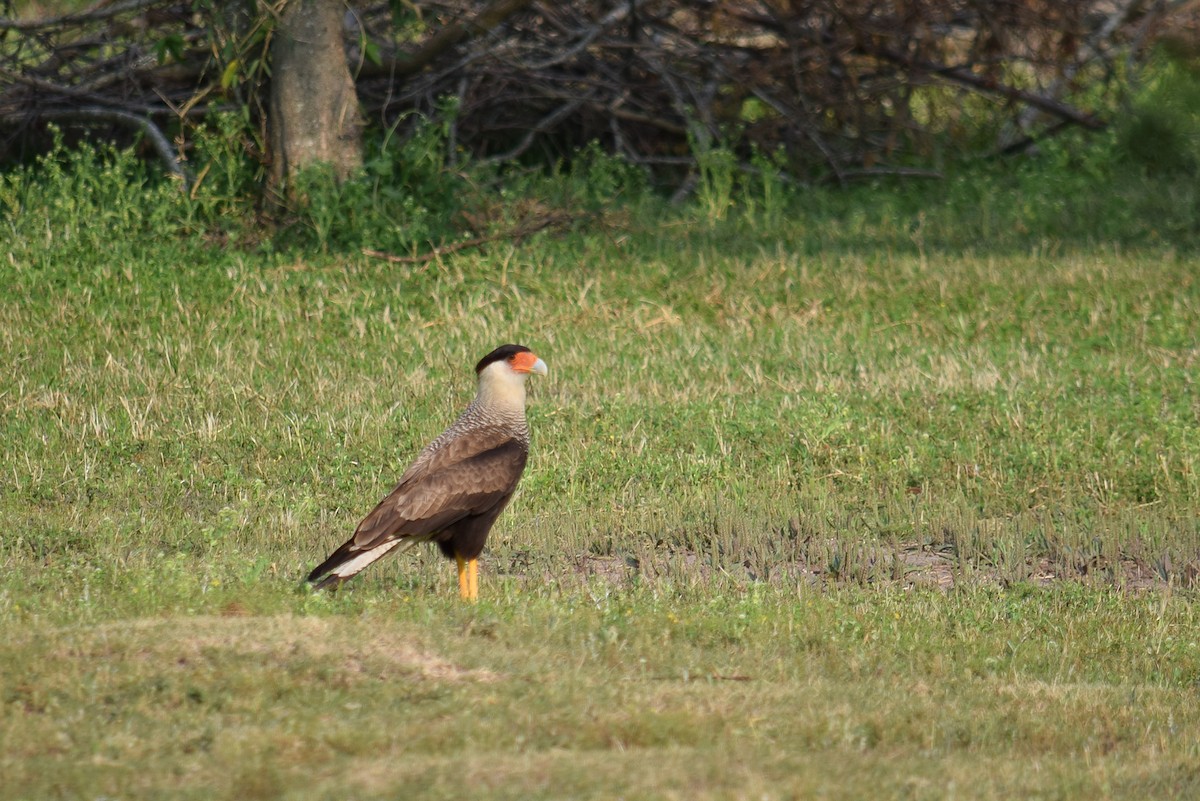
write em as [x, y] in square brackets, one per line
[457, 486]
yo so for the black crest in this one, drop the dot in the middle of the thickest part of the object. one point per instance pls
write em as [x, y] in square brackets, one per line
[500, 353]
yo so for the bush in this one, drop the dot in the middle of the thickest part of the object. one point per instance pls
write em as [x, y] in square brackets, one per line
[77, 201]
[1161, 134]
[406, 196]
[1135, 184]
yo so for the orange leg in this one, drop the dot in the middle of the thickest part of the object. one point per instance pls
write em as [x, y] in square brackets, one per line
[468, 578]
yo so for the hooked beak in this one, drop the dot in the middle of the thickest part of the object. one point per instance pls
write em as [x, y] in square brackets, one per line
[528, 363]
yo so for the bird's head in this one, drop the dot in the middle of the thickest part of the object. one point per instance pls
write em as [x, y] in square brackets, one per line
[503, 371]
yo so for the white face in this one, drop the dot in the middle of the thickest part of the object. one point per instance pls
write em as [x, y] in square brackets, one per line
[503, 383]
[501, 371]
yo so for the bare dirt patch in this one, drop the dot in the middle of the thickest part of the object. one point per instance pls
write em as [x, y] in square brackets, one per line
[906, 564]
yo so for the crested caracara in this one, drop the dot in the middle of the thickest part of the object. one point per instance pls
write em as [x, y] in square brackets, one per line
[458, 485]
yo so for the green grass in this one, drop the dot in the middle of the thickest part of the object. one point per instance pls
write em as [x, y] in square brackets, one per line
[846, 694]
[828, 506]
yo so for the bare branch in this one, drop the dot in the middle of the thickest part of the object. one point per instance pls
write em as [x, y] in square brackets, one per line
[154, 136]
[841, 88]
[543, 125]
[610, 19]
[100, 11]
[448, 37]
[993, 87]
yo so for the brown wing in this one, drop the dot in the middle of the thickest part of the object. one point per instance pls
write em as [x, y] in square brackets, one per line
[464, 477]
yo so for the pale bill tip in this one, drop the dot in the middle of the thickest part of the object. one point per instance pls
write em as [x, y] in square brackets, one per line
[539, 367]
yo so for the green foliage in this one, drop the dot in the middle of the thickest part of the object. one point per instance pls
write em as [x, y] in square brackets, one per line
[765, 196]
[1161, 135]
[224, 196]
[593, 184]
[1133, 185]
[404, 199]
[718, 177]
[1078, 190]
[241, 41]
[599, 180]
[75, 202]
[169, 48]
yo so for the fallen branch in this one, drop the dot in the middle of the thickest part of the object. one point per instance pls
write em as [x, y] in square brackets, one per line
[154, 136]
[991, 86]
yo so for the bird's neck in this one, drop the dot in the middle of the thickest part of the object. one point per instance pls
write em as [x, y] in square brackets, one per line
[500, 397]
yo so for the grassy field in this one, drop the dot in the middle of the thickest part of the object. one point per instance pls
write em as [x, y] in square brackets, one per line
[831, 507]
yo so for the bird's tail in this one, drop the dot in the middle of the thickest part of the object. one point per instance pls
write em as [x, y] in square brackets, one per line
[347, 562]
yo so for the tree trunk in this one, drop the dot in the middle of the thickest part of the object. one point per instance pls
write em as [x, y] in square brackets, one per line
[313, 109]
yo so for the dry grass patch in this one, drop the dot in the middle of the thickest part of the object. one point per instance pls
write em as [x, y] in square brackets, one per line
[351, 647]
